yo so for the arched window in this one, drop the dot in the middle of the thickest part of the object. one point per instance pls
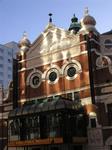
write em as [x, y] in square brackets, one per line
[103, 61]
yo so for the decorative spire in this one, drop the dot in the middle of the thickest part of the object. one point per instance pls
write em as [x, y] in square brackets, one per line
[50, 18]
[25, 34]
[86, 11]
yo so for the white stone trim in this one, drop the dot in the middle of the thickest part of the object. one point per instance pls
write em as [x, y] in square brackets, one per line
[55, 94]
[35, 72]
[103, 84]
[51, 66]
[99, 61]
[86, 101]
[106, 99]
[54, 61]
[50, 71]
[4, 115]
[71, 63]
[9, 104]
[91, 39]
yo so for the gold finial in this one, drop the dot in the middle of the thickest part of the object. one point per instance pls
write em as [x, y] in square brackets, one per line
[86, 11]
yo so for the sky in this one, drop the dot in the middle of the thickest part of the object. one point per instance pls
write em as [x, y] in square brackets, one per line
[17, 16]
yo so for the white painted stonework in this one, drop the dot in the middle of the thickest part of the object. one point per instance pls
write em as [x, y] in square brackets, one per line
[106, 89]
[52, 45]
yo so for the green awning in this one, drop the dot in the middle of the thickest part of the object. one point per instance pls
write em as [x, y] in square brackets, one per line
[44, 106]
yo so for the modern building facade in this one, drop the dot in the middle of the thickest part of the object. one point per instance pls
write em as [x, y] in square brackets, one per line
[62, 91]
[7, 52]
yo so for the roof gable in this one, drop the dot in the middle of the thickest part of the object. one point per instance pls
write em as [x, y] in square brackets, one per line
[52, 39]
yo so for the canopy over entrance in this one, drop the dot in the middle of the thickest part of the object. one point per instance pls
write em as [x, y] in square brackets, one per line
[57, 103]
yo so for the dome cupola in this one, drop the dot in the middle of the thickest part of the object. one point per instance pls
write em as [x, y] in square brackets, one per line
[75, 26]
[88, 22]
[24, 43]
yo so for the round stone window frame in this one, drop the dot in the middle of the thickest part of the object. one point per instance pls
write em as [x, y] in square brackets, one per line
[32, 75]
[68, 66]
[49, 72]
[99, 61]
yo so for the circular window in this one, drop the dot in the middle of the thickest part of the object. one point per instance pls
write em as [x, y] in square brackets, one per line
[71, 72]
[35, 80]
[53, 76]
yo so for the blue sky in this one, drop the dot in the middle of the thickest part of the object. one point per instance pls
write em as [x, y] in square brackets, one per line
[17, 16]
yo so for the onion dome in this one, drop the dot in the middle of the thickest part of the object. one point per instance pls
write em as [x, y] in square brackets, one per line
[75, 26]
[24, 43]
[88, 22]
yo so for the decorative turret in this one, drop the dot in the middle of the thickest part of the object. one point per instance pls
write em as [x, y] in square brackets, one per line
[88, 22]
[75, 26]
[24, 43]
